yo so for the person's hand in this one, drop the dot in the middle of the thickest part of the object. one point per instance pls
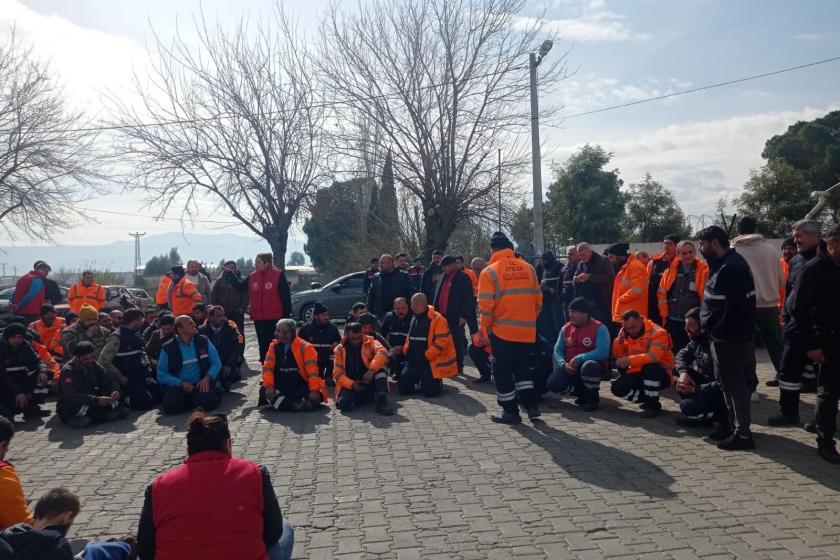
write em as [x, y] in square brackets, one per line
[582, 277]
[270, 392]
[204, 384]
[43, 378]
[225, 371]
[567, 367]
[685, 384]
[574, 363]
[21, 400]
[816, 355]
[115, 396]
[622, 362]
[104, 401]
[359, 387]
[367, 378]
[483, 340]
[188, 388]
[622, 336]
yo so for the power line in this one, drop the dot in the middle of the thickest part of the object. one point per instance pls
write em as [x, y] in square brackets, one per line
[702, 88]
[156, 219]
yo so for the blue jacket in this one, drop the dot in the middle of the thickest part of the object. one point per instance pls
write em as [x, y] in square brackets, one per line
[190, 370]
[599, 353]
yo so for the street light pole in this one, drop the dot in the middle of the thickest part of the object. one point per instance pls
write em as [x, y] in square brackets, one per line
[536, 163]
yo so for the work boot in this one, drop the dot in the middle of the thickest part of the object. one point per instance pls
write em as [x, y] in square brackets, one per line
[737, 443]
[650, 413]
[35, 411]
[809, 387]
[80, 422]
[589, 406]
[782, 419]
[772, 382]
[533, 411]
[580, 401]
[118, 413]
[721, 434]
[506, 418]
[382, 407]
[829, 453]
[811, 426]
[304, 405]
[482, 379]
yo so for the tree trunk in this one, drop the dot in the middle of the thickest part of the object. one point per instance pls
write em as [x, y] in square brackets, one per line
[278, 239]
[438, 229]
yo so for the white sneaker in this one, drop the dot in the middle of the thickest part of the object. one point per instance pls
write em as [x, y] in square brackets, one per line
[754, 397]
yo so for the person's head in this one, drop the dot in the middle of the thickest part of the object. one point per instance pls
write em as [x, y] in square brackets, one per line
[104, 320]
[358, 309]
[199, 313]
[369, 323]
[714, 243]
[7, 432]
[419, 303]
[47, 313]
[133, 318]
[84, 353]
[618, 253]
[176, 273]
[746, 226]
[402, 261]
[692, 323]
[185, 327]
[643, 256]
[478, 264]
[788, 248]
[437, 256]
[806, 234]
[449, 265]
[374, 263]
[41, 268]
[548, 257]
[832, 243]
[285, 331]
[460, 260]
[354, 334]
[584, 252]
[400, 307]
[88, 316]
[230, 266]
[87, 278]
[499, 241]
[149, 316]
[633, 324]
[216, 316]
[192, 267]
[70, 318]
[58, 509]
[15, 334]
[687, 252]
[116, 316]
[320, 314]
[207, 432]
[572, 255]
[386, 263]
[579, 312]
[263, 261]
[669, 245]
[167, 325]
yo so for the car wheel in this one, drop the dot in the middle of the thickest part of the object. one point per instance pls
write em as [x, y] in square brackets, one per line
[307, 313]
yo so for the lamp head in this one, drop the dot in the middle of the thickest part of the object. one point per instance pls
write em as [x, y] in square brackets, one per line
[545, 47]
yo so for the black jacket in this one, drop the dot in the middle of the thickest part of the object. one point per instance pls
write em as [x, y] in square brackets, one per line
[567, 286]
[12, 380]
[728, 309]
[79, 385]
[385, 288]
[797, 263]
[428, 281]
[394, 329]
[228, 342]
[598, 289]
[27, 544]
[461, 304]
[696, 360]
[815, 304]
[322, 337]
[52, 292]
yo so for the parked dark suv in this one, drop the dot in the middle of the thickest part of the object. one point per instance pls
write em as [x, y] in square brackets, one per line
[338, 296]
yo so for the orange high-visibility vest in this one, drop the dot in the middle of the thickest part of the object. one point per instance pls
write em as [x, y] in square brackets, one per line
[306, 358]
[652, 347]
[630, 289]
[163, 290]
[184, 296]
[440, 349]
[374, 356]
[50, 336]
[701, 272]
[79, 295]
[474, 279]
[509, 298]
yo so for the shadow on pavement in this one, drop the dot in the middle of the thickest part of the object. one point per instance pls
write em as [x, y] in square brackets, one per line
[72, 438]
[297, 422]
[598, 464]
[455, 400]
[798, 457]
[178, 422]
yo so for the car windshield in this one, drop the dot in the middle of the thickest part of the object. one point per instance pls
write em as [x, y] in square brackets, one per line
[335, 282]
[7, 293]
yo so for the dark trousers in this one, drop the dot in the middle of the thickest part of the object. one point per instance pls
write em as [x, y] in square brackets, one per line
[828, 394]
[348, 398]
[481, 359]
[237, 317]
[731, 361]
[584, 383]
[265, 334]
[704, 404]
[679, 338]
[175, 400]
[284, 401]
[396, 364]
[139, 392]
[28, 384]
[514, 368]
[415, 375]
[225, 381]
[460, 341]
[791, 371]
[767, 328]
[643, 386]
[95, 412]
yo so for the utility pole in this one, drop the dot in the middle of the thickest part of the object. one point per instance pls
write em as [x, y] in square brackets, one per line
[4, 269]
[137, 262]
[499, 181]
[536, 162]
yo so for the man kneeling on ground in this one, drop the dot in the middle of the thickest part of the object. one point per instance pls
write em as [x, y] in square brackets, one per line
[86, 393]
[189, 366]
[581, 354]
[360, 371]
[644, 360]
[702, 401]
[429, 351]
[290, 376]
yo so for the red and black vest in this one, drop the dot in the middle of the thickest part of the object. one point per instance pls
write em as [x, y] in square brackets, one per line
[579, 340]
[33, 307]
[264, 295]
[211, 507]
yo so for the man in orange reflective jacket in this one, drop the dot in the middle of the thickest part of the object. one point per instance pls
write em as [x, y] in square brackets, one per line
[509, 300]
[86, 291]
[290, 377]
[630, 286]
[49, 328]
[182, 294]
[645, 361]
[360, 371]
[429, 351]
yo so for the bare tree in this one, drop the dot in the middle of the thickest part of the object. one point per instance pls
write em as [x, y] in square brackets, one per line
[48, 155]
[235, 122]
[446, 83]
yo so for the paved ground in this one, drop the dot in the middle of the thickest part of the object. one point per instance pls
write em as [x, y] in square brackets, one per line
[439, 480]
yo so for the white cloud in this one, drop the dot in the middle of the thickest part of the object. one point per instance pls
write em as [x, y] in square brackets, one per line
[593, 21]
[588, 92]
[700, 161]
[818, 37]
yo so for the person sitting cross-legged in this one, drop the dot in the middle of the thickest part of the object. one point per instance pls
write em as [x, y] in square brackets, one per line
[360, 371]
[702, 401]
[290, 376]
[49, 328]
[581, 354]
[644, 359]
[429, 351]
[162, 335]
[87, 394]
[228, 341]
[86, 328]
[188, 368]
[24, 378]
[124, 359]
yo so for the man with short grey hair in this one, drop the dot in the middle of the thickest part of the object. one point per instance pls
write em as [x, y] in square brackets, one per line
[290, 377]
[593, 281]
[202, 283]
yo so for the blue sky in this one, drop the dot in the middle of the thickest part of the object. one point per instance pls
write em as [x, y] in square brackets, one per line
[700, 145]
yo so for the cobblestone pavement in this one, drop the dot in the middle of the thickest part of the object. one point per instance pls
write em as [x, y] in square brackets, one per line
[439, 480]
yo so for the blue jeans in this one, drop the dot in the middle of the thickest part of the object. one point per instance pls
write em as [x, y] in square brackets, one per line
[282, 549]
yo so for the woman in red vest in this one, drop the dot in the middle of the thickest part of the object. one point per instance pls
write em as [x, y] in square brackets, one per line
[214, 506]
[269, 299]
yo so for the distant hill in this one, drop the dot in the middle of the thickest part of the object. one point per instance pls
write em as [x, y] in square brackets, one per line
[119, 255]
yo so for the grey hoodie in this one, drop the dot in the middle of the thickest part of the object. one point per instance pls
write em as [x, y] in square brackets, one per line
[765, 262]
